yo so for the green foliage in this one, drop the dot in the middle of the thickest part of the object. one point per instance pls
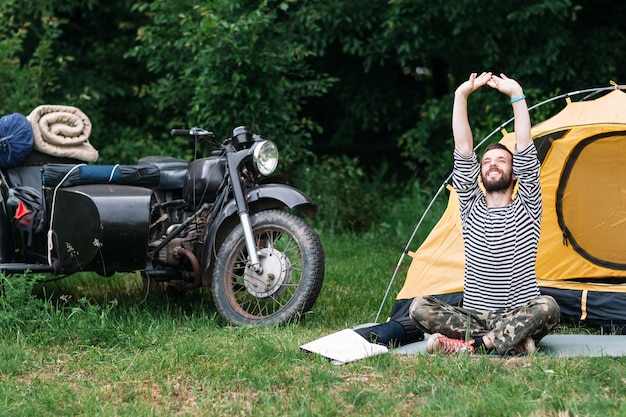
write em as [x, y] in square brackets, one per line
[28, 65]
[350, 197]
[430, 47]
[428, 158]
[105, 81]
[354, 198]
[365, 80]
[224, 64]
[72, 53]
[419, 206]
[20, 312]
[160, 357]
[526, 40]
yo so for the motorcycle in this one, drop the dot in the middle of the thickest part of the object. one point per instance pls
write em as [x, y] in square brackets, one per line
[217, 221]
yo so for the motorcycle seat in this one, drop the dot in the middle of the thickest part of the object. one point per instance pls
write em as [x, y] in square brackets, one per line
[173, 171]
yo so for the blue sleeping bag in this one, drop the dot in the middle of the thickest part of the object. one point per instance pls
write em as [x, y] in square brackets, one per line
[16, 140]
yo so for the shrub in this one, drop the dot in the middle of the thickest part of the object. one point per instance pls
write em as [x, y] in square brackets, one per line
[351, 197]
[20, 311]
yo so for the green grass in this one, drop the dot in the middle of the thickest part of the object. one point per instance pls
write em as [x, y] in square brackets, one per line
[89, 345]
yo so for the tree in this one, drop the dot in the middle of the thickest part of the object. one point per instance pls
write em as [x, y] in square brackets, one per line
[105, 82]
[29, 66]
[407, 56]
[226, 63]
[73, 53]
[366, 82]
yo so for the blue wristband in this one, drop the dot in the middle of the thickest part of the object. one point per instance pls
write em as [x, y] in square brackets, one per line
[518, 98]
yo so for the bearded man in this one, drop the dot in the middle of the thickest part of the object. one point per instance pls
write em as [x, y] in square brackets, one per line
[502, 311]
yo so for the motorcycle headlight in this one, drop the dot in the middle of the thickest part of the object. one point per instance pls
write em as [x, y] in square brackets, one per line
[265, 157]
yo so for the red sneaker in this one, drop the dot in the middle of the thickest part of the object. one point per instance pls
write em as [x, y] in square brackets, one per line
[525, 347]
[439, 343]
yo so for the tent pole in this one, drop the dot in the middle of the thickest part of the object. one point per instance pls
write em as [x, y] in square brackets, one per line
[406, 248]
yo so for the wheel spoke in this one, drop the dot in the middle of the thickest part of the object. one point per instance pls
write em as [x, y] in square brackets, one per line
[283, 287]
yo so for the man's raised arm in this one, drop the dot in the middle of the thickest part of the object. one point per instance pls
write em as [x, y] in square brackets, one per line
[511, 88]
[461, 130]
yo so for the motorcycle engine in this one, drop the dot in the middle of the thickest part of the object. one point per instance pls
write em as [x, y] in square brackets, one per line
[176, 234]
[170, 254]
[176, 250]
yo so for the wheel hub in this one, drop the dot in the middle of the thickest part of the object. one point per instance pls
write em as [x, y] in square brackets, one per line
[276, 273]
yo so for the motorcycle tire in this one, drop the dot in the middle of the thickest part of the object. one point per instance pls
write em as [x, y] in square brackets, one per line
[292, 258]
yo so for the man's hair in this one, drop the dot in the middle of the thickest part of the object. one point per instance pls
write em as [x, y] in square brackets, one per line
[497, 145]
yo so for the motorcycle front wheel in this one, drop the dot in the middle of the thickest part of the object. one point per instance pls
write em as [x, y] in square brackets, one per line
[292, 262]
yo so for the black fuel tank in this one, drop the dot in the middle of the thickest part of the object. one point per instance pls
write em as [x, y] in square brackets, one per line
[204, 178]
[102, 228]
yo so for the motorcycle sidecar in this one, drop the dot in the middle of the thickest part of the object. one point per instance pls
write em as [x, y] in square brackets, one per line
[101, 227]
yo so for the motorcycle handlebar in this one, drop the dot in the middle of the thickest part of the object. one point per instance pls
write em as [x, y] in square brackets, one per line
[190, 132]
[179, 132]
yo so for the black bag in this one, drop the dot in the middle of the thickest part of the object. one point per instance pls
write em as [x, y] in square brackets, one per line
[29, 212]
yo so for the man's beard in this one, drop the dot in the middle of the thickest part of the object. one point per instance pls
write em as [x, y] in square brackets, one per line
[501, 184]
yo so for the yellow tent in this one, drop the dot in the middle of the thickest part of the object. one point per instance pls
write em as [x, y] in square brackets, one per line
[581, 257]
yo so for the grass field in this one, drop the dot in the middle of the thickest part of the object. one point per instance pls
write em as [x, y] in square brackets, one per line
[99, 347]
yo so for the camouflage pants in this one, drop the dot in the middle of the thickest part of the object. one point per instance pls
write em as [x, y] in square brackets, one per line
[506, 328]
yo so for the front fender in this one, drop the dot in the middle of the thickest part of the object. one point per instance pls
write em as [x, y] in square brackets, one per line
[263, 197]
[280, 194]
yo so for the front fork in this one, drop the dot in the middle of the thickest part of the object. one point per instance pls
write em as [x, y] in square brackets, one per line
[233, 162]
[255, 264]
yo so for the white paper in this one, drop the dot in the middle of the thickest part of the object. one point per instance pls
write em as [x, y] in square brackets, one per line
[344, 346]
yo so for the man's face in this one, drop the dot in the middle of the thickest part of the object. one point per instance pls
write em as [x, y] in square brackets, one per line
[496, 170]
